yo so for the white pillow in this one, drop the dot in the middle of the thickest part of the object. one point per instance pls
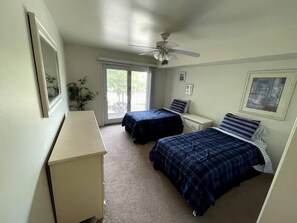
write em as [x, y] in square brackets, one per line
[260, 133]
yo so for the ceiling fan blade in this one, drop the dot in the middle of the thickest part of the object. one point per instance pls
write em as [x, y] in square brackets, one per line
[184, 52]
[170, 45]
[149, 52]
[174, 57]
[150, 47]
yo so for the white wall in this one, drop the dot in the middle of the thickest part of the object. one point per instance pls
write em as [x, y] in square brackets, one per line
[158, 90]
[25, 136]
[83, 61]
[280, 203]
[218, 89]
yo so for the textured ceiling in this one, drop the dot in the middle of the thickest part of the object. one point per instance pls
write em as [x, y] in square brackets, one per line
[193, 24]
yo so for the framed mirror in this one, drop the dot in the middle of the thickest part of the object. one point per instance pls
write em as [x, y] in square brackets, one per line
[46, 63]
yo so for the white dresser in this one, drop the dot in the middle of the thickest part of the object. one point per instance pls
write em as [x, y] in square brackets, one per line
[194, 123]
[76, 169]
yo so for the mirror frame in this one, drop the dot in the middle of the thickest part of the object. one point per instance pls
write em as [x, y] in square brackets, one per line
[38, 32]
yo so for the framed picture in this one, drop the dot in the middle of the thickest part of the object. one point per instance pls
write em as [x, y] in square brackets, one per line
[268, 93]
[46, 63]
[182, 76]
[189, 89]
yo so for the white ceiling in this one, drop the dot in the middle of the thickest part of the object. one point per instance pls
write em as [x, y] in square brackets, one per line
[193, 24]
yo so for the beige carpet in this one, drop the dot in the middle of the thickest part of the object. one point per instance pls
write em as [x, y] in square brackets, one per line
[135, 192]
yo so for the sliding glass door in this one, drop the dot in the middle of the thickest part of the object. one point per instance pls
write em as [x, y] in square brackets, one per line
[139, 90]
[126, 89]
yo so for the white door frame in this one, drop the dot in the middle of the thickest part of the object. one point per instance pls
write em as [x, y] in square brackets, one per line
[104, 68]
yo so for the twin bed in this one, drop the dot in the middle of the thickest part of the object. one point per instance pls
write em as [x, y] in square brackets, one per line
[204, 165]
[151, 125]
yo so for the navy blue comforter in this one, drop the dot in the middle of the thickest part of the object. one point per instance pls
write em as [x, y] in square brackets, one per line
[153, 124]
[204, 165]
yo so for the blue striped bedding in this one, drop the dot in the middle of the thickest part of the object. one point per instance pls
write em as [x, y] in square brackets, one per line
[204, 165]
[178, 105]
[152, 124]
[240, 126]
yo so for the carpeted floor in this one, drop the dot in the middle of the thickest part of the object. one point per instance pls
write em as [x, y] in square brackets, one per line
[135, 192]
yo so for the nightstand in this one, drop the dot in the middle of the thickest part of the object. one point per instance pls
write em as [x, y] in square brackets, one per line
[194, 123]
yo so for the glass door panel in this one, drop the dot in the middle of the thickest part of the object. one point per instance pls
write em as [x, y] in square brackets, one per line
[116, 94]
[139, 90]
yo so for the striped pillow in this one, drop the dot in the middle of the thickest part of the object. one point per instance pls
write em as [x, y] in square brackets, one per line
[178, 105]
[242, 127]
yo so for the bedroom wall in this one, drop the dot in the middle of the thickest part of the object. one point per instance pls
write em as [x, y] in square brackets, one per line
[25, 136]
[83, 61]
[280, 203]
[218, 89]
[158, 90]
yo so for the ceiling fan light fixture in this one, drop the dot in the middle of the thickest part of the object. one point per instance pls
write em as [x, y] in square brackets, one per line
[161, 56]
[168, 56]
[157, 55]
[165, 50]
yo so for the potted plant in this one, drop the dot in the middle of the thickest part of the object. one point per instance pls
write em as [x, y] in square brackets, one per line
[79, 95]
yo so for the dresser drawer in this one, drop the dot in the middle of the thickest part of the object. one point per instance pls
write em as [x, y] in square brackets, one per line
[191, 126]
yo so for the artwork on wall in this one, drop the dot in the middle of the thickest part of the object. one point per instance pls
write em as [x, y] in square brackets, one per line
[182, 76]
[46, 63]
[268, 93]
[189, 89]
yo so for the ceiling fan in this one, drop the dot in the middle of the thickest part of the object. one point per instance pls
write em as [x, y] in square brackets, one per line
[164, 50]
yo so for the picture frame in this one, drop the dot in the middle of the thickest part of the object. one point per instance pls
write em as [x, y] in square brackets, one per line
[189, 89]
[182, 76]
[46, 63]
[268, 93]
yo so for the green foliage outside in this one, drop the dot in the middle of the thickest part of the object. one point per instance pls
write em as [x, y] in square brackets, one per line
[117, 82]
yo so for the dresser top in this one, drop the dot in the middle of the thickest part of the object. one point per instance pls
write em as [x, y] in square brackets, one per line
[79, 137]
